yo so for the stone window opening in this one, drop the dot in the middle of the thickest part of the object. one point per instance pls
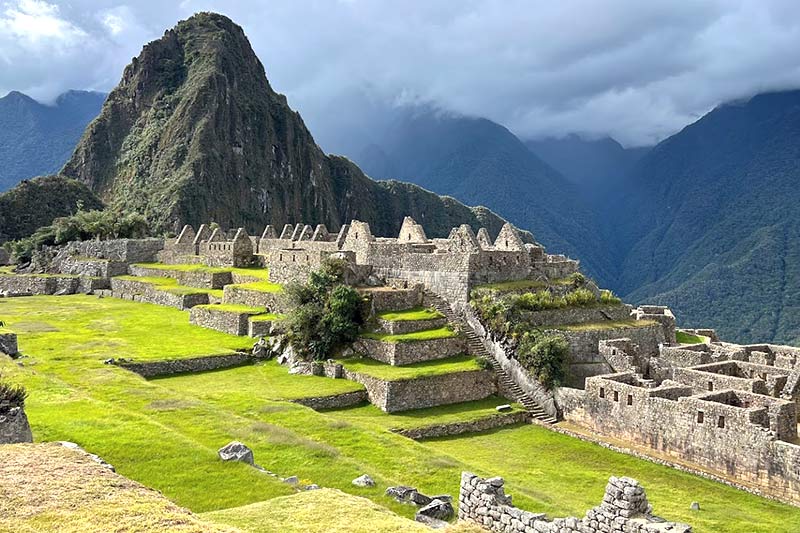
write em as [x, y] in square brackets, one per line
[630, 399]
[616, 396]
[710, 385]
[602, 392]
[700, 416]
[721, 422]
[294, 258]
[280, 257]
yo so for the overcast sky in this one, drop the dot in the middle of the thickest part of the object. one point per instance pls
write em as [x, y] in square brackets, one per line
[636, 70]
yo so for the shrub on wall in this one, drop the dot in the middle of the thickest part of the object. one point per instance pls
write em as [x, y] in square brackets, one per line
[545, 356]
[11, 395]
[326, 314]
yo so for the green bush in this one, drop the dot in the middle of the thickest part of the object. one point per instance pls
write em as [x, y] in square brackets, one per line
[546, 356]
[11, 395]
[607, 298]
[576, 279]
[325, 313]
[580, 298]
[82, 226]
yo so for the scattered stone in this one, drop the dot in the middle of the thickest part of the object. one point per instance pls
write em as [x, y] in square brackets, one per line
[417, 498]
[400, 493]
[437, 509]
[443, 497]
[503, 408]
[261, 349]
[96, 458]
[313, 486]
[433, 523]
[695, 506]
[14, 426]
[364, 481]
[291, 480]
[108, 361]
[236, 451]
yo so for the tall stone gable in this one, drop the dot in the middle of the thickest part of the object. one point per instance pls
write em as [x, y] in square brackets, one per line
[509, 240]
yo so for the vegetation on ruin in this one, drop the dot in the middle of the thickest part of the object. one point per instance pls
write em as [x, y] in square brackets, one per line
[609, 298]
[267, 317]
[417, 313]
[545, 356]
[684, 337]
[175, 425]
[82, 226]
[325, 313]
[371, 367]
[445, 332]
[11, 395]
[233, 308]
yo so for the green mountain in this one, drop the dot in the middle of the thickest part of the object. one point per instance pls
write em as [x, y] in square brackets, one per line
[479, 161]
[709, 221]
[194, 132]
[595, 165]
[35, 203]
[36, 139]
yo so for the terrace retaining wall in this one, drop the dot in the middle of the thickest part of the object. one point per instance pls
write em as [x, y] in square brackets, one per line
[399, 327]
[334, 401]
[471, 426]
[140, 291]
[198, 278]
[30, 284]
[231, 322]
[152, 369]
[406, 353]
[252, 298]
[576, 315]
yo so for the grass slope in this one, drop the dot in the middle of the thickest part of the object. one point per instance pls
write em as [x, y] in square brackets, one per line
[417, 313]
[374, 368]
[444, 332]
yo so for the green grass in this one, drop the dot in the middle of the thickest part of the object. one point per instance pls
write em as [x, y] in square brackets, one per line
[443, 414]
[523, 284]
[254, 272]
[688, 338]
[600, 326]
[258, 286]
[165, 433]
[418, 313]
[256, 383]
[233, 308]
[171, 286]
[539, 465]
[266, 317]
[374, 368]
[424, 335]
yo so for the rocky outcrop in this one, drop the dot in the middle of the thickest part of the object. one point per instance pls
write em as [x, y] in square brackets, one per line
[194, 132]
[14, 426]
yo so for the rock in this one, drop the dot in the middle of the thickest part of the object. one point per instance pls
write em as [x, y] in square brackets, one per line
[437, 509]
[14, 426]
[108, 361]
[400, 493]
[291, 480]
[433, 523]
[443, 497]
[364, 481]
[302, 369]
[313, 486]
[503, 408]
[417, 498]
[695, 506]
[236, 451]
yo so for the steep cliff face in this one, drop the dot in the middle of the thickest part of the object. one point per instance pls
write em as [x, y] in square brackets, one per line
[194, 132]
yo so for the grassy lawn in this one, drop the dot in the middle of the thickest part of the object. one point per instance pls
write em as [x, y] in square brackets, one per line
[418, 313]
[256, 383]
[563, 475]
[232, 308]
[687, 338]
[266, 317]
[444, 332]
[165, 433]
[600, 326]
[259, 286]
[83, 330]
[374, 368]
[444, 414]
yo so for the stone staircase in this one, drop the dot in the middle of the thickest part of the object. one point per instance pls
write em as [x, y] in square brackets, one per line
[477, 349]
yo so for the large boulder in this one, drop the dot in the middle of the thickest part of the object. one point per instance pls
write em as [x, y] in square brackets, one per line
[14, 426]
[236, 451]
[364, 481]
[437, 509]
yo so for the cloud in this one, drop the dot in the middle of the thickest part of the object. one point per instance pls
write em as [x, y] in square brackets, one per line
[638, 71]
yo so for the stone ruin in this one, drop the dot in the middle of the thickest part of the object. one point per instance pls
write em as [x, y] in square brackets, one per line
[624, 509]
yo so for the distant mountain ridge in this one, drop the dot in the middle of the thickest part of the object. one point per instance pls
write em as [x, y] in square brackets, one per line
[37, 139]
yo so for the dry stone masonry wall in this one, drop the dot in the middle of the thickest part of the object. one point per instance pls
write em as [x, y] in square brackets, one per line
[624, 509]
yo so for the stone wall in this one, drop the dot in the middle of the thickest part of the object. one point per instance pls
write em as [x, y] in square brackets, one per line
[253, 298]
[624, 509]
[470, 426]
[407, 353]
[14, 426]
[29, 284]
[393, 299]
[231, 322]
[571, 404]
[399, 327]
[92, 267]
[736, 375]
[139, 291]
[152, 369]
[431, 391]
[124, 250]
[576, 315]
[511, 366]
[335, 401]
[202, 279]
[745, 437]
[8, 342]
